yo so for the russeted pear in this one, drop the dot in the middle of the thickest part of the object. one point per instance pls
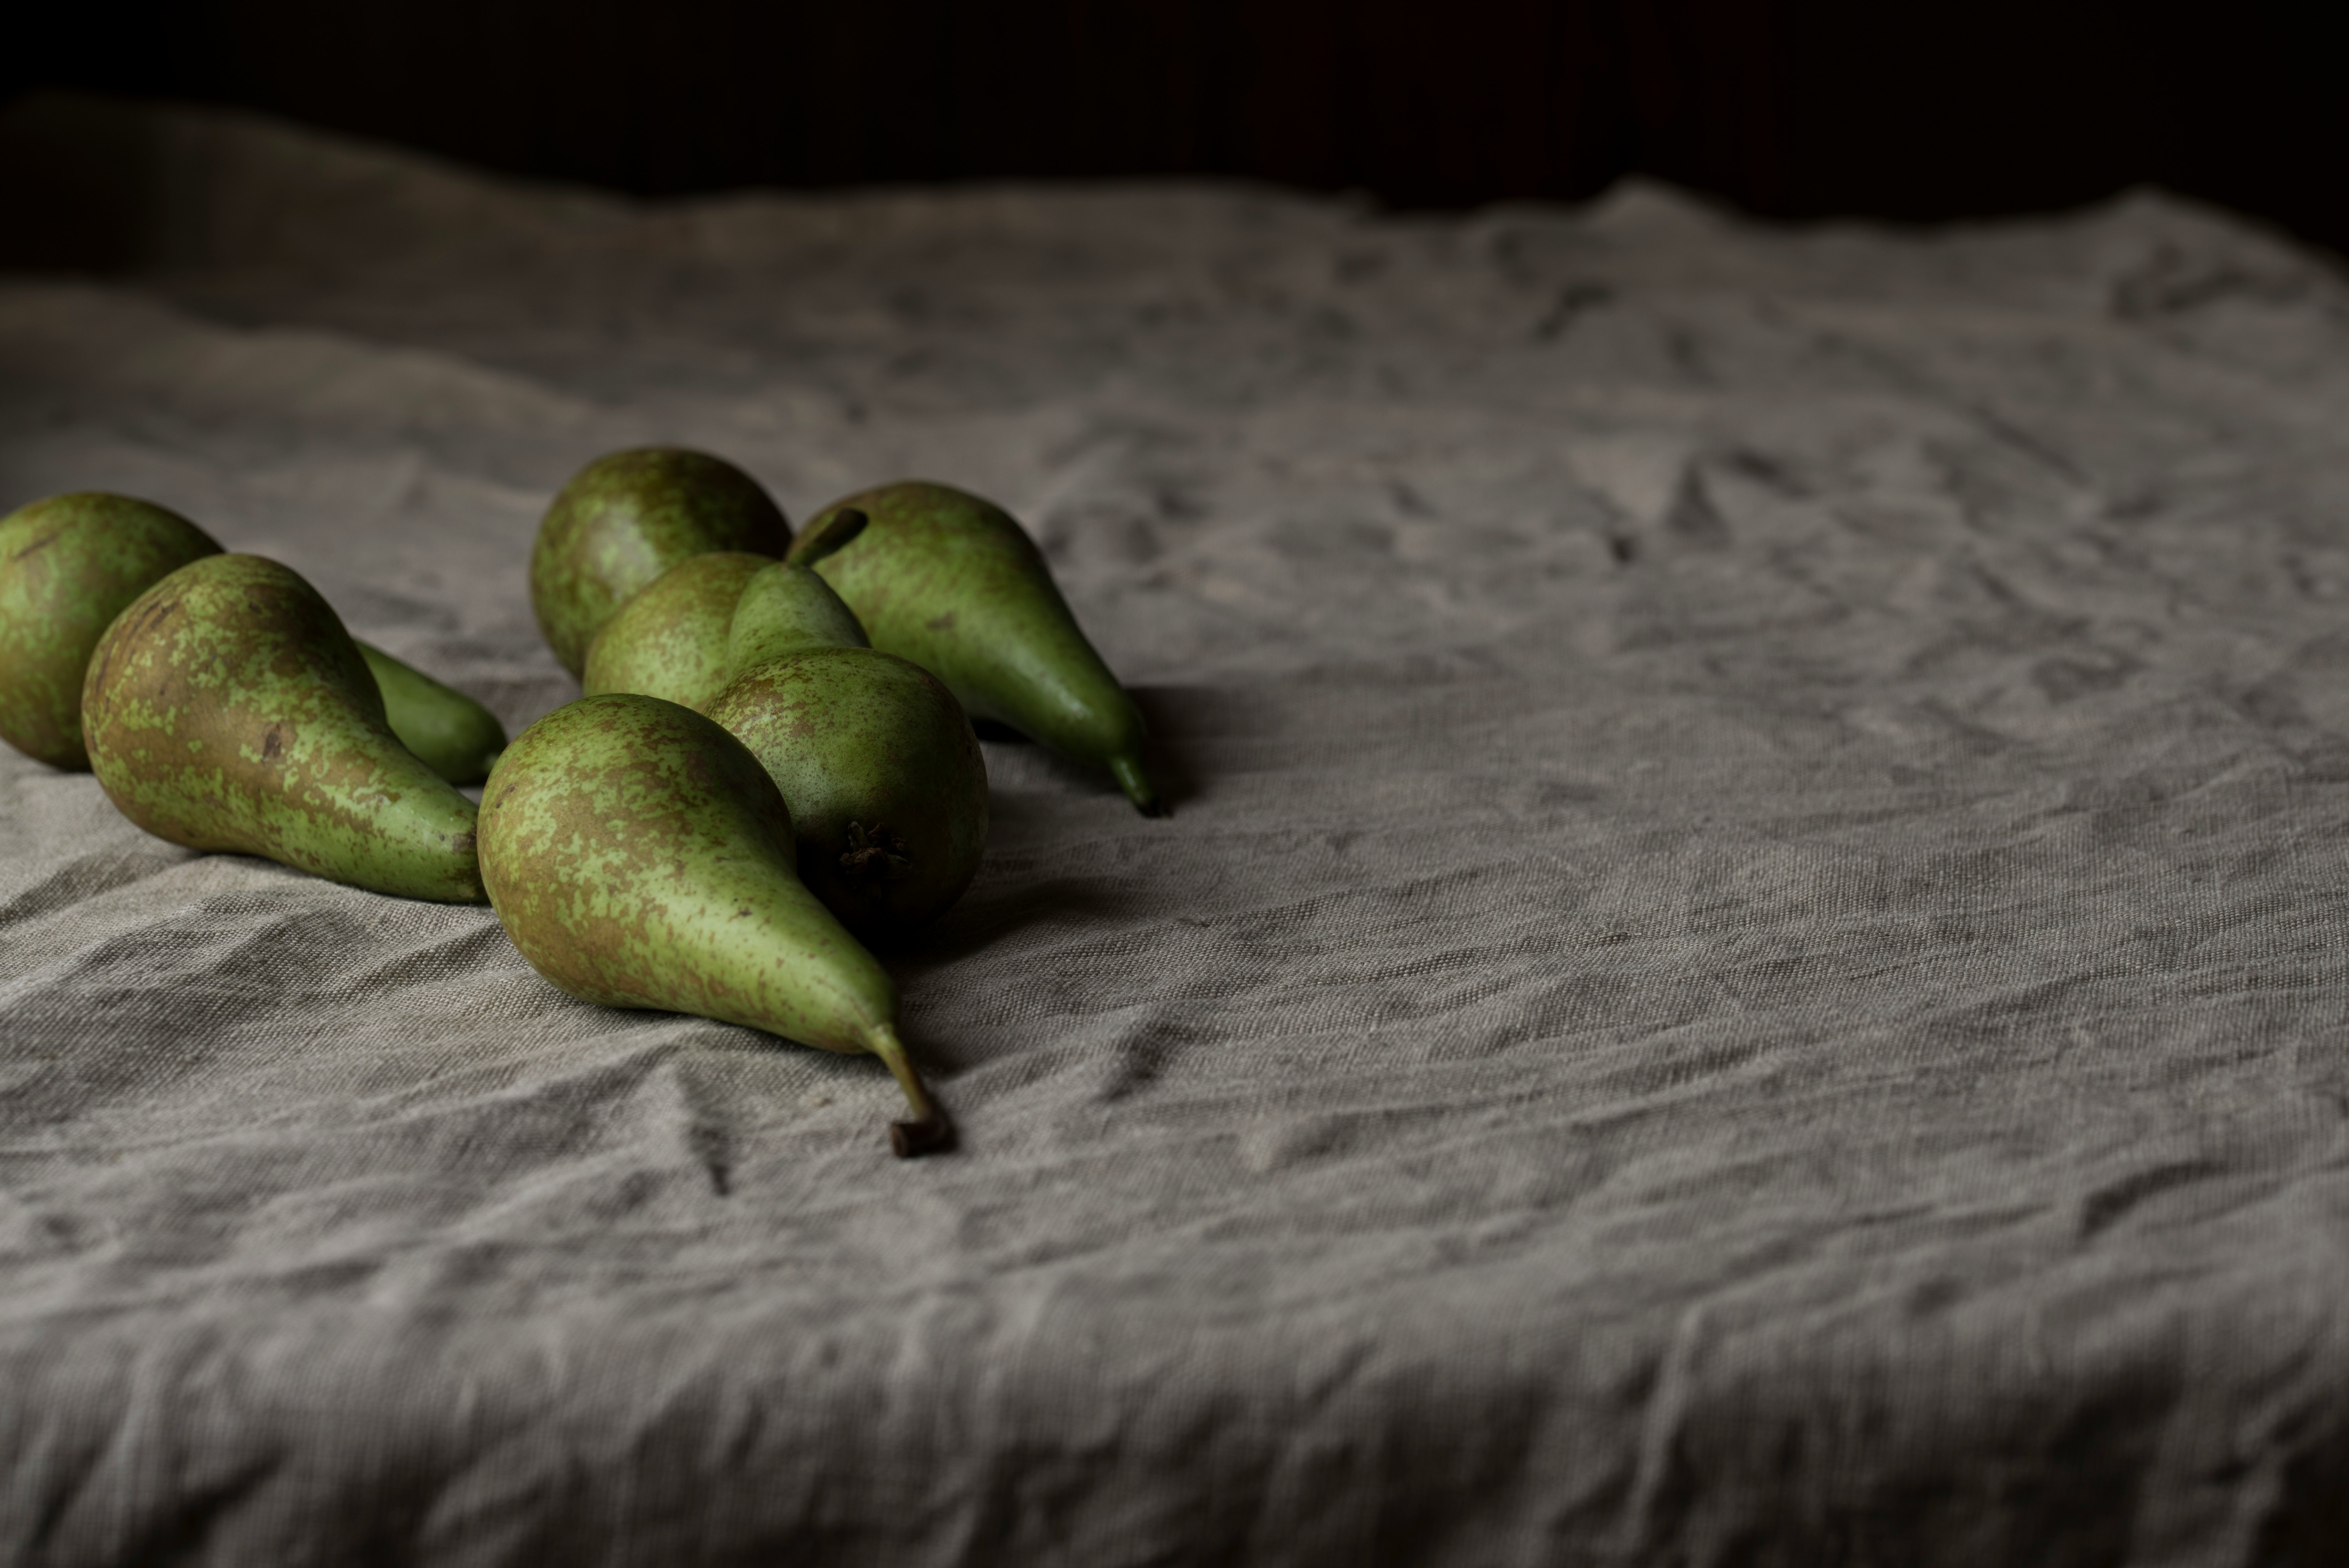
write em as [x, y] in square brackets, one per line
[949, 581]
[640, 857]
[68, 566]
[226, 708]
[886, 782]
[626, 518]
[670, 640]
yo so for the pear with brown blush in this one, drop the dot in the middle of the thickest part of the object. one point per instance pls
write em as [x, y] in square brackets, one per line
[226, 708]
[640, 857]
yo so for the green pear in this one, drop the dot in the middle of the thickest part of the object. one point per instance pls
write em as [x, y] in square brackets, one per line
[670, 640]
[226, 708]
[456, 736]
[951, 581]
[886, 782]
[68, 566]
[626, 518]
[640, 857]
[70, 563]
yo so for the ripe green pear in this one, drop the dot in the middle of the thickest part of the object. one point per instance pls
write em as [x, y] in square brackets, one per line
[68, 566]
[951, 581]
[626, 518]
[640, 857]
[886, 784]
[670, 641]
[226, 708]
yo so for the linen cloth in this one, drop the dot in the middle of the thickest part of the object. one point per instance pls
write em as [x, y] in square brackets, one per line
[1748, 968]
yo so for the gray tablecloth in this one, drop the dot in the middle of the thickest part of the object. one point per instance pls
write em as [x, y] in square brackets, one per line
[1749, 968]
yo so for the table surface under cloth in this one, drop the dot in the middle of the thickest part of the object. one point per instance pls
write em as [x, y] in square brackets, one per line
[1749, 967]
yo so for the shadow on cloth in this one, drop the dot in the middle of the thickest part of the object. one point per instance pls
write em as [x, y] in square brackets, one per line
[1176, 715]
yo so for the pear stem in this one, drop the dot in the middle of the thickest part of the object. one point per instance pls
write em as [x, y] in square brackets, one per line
[1136, 785]
[928, 1130]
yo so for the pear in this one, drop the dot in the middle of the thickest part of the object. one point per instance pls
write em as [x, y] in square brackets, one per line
[780, 613]
[886, 782]
[670, 640]
[949, 581]
[68, 566]
[640, 857]
[454, 735]
[226, 708]
[70, 563]
[626, 518]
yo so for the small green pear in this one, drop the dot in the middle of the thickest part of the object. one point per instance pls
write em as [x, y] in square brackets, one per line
[226, 708]
[670, 640]
[626, 518]
[68, 566]
[640, 857]
[877, 759]
[455, 735]
[951, 581]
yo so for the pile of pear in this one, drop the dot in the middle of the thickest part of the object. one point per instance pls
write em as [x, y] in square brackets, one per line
[826, 684]
[772, 770]
[222, 705]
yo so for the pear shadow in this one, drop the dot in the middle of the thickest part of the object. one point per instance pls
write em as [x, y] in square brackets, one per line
[1172, 755]
[983, 918]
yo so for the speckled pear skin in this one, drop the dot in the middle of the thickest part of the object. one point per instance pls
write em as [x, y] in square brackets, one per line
[68, 566]
[626, 518]
[886, 782]
[451, 733]
[670, 641]
[640, 857]
[226, 708]
[951, 581]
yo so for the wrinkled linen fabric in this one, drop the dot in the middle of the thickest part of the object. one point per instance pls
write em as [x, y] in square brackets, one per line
[1748, 969]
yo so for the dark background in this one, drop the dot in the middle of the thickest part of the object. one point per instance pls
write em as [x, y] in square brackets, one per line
[1926, 111]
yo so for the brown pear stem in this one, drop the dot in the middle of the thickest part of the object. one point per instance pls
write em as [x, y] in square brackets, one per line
[928, 1130]
[826, 534]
